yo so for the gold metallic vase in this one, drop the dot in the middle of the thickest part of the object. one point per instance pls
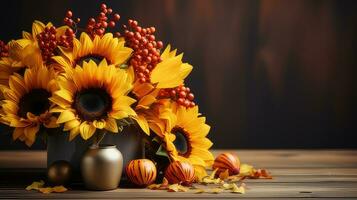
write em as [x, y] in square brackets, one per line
[102, 167]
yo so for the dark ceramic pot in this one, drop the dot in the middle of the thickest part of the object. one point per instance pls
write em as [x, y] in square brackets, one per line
[129, 142]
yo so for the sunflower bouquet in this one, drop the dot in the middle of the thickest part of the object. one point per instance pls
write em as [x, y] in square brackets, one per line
[86, 81]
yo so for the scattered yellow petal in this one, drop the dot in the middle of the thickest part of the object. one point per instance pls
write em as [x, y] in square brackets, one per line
[216, 190]
[60, 188]
[213, 174]
[36, 185]
[224, 174]
[246, 170]
[199, 191]
[239, 190]
[183, 188]
[154, 186]
[174, 188]
[227, 186]
[45, 190]
[39, 186]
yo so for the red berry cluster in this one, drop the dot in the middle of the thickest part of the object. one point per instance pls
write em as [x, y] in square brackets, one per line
[181, 94]
[146, 53]
[69, 21]
[98, 25]
[4, 49]
[66, 40]
[47, 42]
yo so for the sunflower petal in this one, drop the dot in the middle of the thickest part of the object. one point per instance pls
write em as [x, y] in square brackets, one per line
[111, 125]
[66, 116]
[142, 122]
[86, 130]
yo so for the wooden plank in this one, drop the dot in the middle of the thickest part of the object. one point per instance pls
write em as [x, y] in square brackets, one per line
[270, 190]
[259, 158]
[297, 174]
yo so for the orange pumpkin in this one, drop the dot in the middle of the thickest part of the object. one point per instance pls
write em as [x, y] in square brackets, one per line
[180, 172]
[141, 172]
[226, 161]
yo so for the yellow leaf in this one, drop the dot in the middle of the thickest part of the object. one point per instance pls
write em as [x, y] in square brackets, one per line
[36, 185]
[183, 188]
[213, 174]
[60, 188]
[227, 186]
[45, 190]
[246, 170]
[224, 175]
[216, 190]
[236, 189]
[173, 188]
[199, 191]
[154, 186]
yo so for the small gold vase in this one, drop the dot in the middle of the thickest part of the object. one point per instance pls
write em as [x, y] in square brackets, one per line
[102, 167]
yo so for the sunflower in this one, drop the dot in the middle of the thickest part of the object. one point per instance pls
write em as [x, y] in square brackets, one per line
[107, 47]
[169, 73]
[15, 62]
[92, 97]
[28, 48]
[26, 105]
[183, 133]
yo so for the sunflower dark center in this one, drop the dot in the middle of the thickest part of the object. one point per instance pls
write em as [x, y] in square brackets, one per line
[96, 58]
[35, 101]
[92, 104]
[182, 142]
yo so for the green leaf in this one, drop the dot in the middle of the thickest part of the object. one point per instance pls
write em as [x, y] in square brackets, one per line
[156, 139]
[125, 122]
[162, 152]
[123, 66]
[120, 128]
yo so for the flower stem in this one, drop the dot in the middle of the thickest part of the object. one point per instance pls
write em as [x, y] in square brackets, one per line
[99, 137]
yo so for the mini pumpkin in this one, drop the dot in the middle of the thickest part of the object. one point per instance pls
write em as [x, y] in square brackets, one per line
[226, 161]
[141, 172]
[180, 172]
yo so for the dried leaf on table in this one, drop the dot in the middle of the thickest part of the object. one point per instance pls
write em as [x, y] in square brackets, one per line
[239, 190]
[248, 171]
[216, 190]
[57, 189]
[224, 175]
[177, 188]
[163, 186]
[173, 188]
[199, 191]
[36, 185]
[154, 186]
[39, 186]
[45, 190]
[213, 174]
[227, 186]
[211, 179]
[183, 188]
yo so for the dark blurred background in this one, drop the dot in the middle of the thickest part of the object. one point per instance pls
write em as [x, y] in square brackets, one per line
[267, 74]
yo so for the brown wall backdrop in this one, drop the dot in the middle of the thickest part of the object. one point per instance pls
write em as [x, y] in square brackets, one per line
[267, 74]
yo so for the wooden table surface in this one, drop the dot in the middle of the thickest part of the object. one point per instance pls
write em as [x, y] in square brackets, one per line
[318, 174]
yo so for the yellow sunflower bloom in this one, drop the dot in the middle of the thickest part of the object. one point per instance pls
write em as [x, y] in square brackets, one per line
[16, 62]
[183, 132]
[171, 72]
[92, 97]
[27, 49]
[26, 105]
[107, 47]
